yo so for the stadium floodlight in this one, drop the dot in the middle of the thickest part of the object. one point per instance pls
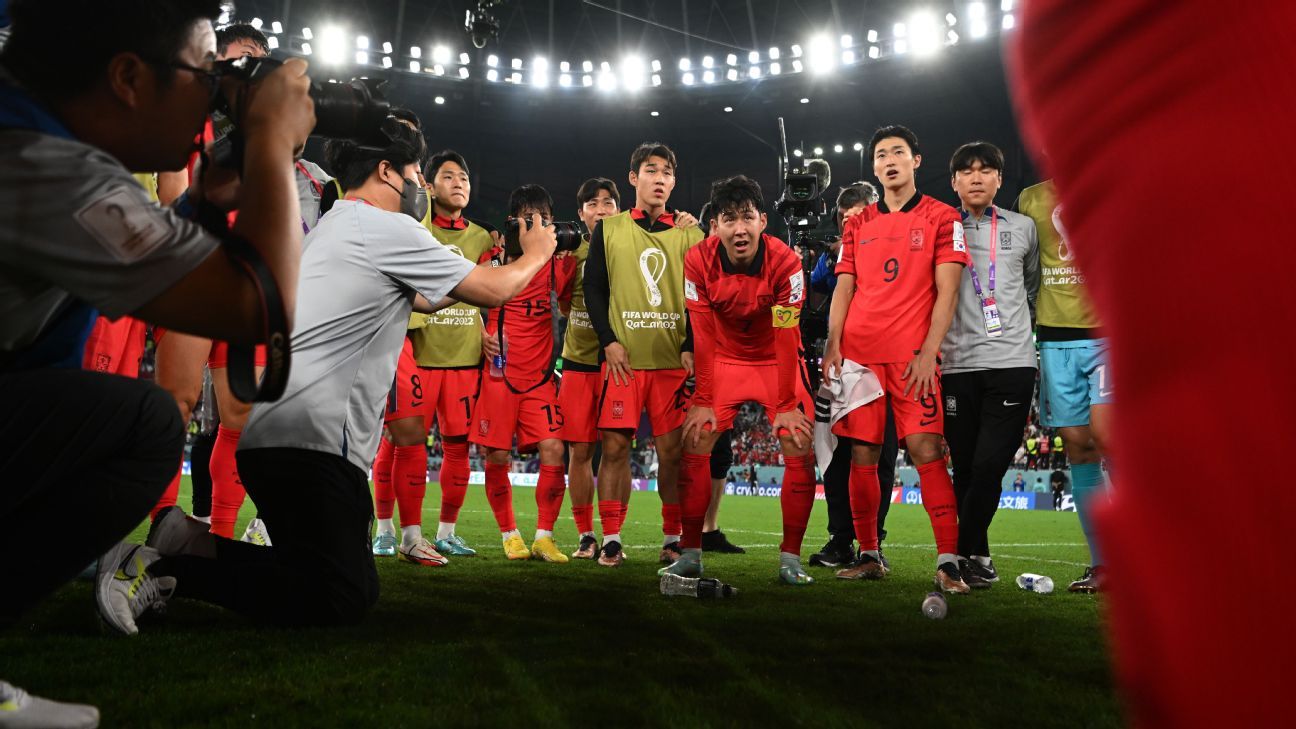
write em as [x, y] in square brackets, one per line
[847, 41]
[565, 67]
[732, 74]
[977, 10]
[273, 42]
[439, 100]
[838, 148]
[632, 73]
[708, 77]
[492, 60]
[333, 45]
[540, 71]
[900, 30]
[564, 80]
[362, 57]
[414, 66]
[416, 52]
[306, 49]
[753, 72]
[257, 23]
[441, 54]
[859, 147]
[707, 61]
[387, 47]
[805, 100]
[362, 42]
[796, 51]
[653, 113]
[492, 75]
[515, 77]
[687, 78]
[732, 59]
[386, 62]
[951, 37]
[753, 57]
[1009, 22]
[775, 68]
[901, 47]
[818, 151]
[463, 72]
[306, 33]
[656, 66]
[874, 52]
[516, 64]
[1006, 5]
[464, 59]
[656, 79]
[796, 153]
[685, 64]
[796, 66]
[872, 36]
[979, 28]
[605, 66]
[848, 57]
[728, 109]
[587, 80]
[607, 81]
[774, 54]
[276, 27]
[821, 54]
[587, 67]
[924, 34]
[438, 69]
[950, 20]
[224, 16]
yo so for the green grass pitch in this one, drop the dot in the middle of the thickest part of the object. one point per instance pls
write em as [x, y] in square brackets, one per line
[487, 642]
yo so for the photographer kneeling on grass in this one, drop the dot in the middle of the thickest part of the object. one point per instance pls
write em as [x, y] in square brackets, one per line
[305, 459]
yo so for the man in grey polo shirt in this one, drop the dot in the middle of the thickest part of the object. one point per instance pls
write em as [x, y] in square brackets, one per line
[988, 373]
[305, 459]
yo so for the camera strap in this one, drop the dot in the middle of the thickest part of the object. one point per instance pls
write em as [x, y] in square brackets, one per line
[553, 347]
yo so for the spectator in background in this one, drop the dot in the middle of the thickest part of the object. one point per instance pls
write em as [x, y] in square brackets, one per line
[1059, 452]
[1019, 483]
[1032, 451]
[1059, 482]
[1039, 485]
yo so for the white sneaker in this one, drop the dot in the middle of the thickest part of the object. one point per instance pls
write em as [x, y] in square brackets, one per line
[256, 533]
[174, 533]
[124, 589]
[21, 710]
[422, 552]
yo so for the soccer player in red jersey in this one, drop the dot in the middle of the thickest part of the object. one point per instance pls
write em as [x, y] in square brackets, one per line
[898, 275]
[521, 397]
[744, 292]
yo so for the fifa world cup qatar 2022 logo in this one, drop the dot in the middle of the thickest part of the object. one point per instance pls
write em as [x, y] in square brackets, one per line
[652, 264]
[1064, 248]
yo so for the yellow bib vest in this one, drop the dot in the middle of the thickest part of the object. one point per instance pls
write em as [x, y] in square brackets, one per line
[452, 337]
[1062, 299]
[646, 296]
[580, 344]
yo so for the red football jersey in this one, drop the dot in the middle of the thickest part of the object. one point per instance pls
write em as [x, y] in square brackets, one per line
[528, 323]
[893, 257]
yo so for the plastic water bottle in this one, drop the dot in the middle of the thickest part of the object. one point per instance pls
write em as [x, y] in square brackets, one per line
[1035, 583]
[498, 361]
[934, 606]
[704, 587]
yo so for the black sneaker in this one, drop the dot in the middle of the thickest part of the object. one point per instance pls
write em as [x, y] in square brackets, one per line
[1091, 582]
[949, 579]
[716, 541]
[882, 558]
[588, 549]
[836, 553]
[670, 553]
[986, 572]
[971, 577]
[611, 555]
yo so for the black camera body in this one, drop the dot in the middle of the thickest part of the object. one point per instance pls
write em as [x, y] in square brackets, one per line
[354, 110]
[568, 234]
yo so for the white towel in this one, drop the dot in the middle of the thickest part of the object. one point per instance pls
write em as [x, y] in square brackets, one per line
[854, 387]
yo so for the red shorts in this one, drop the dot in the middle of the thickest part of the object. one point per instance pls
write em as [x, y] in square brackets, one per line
[444, 396]
[662, 392]
[501, 413]
[737, 383]
[115, 347]
[867, 423]
[578, 397]
[408, 391]
[218, 357]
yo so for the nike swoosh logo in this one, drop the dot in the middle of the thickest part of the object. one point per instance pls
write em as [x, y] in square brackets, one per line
[1010, 404]
[926, 422]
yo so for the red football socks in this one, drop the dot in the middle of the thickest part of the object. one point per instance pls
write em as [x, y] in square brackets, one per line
[384, 495]
[583, 515]
[695, 497]
[499, 492]
[551, 486]
[454, 479]
[409, 480]
[671, 519]
[865, 496]
[938, 500]
[797, 500]
[227, 489]
[610, 516]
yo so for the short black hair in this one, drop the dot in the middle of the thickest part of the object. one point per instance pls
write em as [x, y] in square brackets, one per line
[352, 164]
[61, 49]
[651, 149]
[227, 34]
[433, 165]
[984, 152]
[405, 114]
[734, 194]
[856, 193]
[530, 196]
[589, 190]
[894, 130]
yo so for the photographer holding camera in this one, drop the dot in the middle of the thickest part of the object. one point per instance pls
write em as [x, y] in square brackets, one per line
[305, 459]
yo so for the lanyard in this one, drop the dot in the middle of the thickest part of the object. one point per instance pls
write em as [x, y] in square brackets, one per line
[354, 198]
[994, 250]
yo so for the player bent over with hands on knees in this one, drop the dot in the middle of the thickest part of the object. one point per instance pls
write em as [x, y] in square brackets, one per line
[305, 459]
[521, 398]
[898, 276]
[744, 292]
[80, 235]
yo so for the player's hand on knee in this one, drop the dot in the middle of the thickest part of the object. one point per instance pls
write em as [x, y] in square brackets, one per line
[796, 425]
[699, 419]
[618, 363]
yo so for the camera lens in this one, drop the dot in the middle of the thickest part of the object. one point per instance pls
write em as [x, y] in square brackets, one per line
[349, 111]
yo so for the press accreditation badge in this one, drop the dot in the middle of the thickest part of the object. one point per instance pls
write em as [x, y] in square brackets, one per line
[990, 311]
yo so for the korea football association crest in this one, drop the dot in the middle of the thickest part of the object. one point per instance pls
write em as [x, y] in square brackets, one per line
[915, 239]
[1005, 240]
[618, 408]
[484, 427]
[951, 405]
[652, 264]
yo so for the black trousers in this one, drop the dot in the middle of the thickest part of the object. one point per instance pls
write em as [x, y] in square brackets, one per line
[985, 414]
[722, 456]
[88, 451]
[320, 570]
[837, 483]
[200, 473]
